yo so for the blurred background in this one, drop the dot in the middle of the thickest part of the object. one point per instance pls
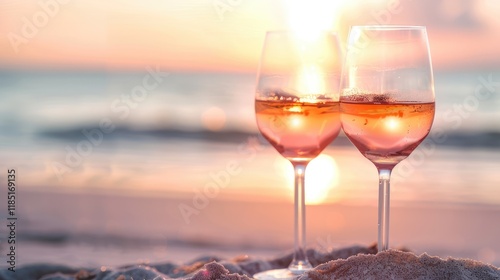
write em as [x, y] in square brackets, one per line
[131, 127]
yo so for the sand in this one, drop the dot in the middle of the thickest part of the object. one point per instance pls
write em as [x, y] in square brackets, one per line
[354, 262]
[395, 264]
[111, 230]
[111, 236]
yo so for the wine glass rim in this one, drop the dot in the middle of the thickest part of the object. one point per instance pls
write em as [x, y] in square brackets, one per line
[390, 27]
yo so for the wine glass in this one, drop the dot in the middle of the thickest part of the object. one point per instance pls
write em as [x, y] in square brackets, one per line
[387, 100]
[297, 111]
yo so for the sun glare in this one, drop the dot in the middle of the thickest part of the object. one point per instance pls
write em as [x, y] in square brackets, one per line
[295, 109]
[310, 80]
[308, 18]
[391, 123]
[322, 176]
[295, 121]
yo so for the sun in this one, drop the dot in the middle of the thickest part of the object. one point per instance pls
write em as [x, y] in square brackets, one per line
[310, 80]
[322, 175]
[307, 18]
[392, 123]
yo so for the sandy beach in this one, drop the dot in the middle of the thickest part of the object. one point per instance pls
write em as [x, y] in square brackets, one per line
[81, 229]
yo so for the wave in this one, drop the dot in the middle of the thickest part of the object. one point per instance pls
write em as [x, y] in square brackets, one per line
[226, 136]
[487, 139]
[63, 238]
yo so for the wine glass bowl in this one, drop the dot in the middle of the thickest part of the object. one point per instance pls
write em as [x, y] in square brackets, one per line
[297, 111]
[297, 97]
[299, 131]
[387, 100]
[386, 133]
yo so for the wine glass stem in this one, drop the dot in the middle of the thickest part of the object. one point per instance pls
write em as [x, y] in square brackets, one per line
[300, 262]
[383, 208]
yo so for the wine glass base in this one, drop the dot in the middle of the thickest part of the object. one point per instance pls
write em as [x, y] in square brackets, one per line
[284, 273]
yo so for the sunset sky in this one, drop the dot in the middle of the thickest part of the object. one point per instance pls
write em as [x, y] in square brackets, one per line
[224, 35]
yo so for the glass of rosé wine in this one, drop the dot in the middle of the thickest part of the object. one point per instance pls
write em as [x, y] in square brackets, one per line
[297, 111]
[387, 100]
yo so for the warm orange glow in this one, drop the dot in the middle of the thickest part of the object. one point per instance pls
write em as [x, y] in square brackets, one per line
[187, 35]
[308, 18]
[295, 121]
[295, 109]
[391, 123]
[322, 175]
[310, 80]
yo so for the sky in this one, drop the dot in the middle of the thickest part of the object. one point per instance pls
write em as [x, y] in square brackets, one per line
[224, 35]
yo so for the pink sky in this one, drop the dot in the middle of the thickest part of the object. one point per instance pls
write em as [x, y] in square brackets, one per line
[223, 34]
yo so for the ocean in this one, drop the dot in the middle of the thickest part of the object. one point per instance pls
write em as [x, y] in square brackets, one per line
[192, 138]
[186, 124]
